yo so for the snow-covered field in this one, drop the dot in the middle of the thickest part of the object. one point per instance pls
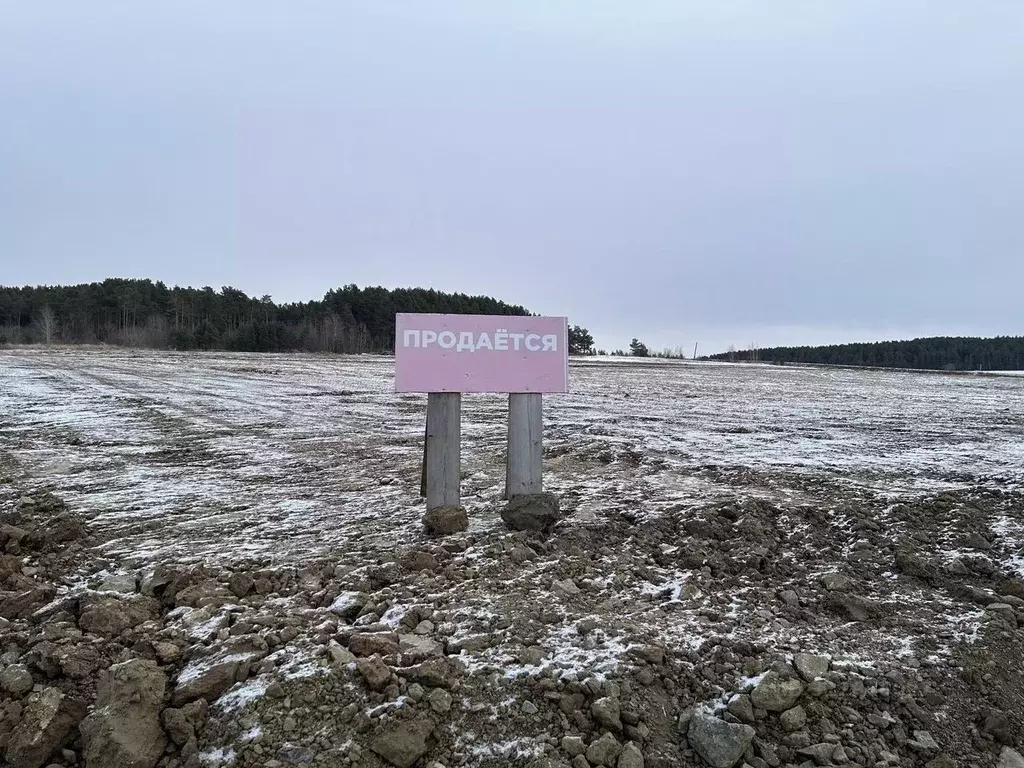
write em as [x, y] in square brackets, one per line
[209, 456]
[717, 517]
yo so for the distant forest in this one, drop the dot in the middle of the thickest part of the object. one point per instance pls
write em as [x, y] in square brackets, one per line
[143, 313]
[950, 353]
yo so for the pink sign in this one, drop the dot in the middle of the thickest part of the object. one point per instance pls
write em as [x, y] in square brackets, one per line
[481, 353]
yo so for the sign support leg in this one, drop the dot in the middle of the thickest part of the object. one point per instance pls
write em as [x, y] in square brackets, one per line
[525, 445]
[443, 450]
[423, 466]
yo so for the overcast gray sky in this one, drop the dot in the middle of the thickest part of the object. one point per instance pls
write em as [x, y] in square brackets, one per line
[722, 172]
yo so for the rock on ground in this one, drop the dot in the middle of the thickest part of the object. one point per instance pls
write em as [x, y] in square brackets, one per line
[721, 744]
[167, 652]
[630, 757]
[441, 521]
[110, 616]
[810, 667]
[565, 588]
[415, 649]
[123, 583]
[776, 693]
[375, 672]
[436, 673]
[532, 512]
[440, 701]
[348, 605]
[837, 582]
[606, 713]
[404, 742]
[820, 753]
[854, 607]
[1010, 758]
[924, 742]
[741, 707]
[241, 584]
[793, 719]
[604, 752]
[177, 726]
[369, 643]
[573, 745]
[16, 679]
[18, 605]
[208, 683]
[340, 657]
[124, 730]
[417, 560]
[49, 720]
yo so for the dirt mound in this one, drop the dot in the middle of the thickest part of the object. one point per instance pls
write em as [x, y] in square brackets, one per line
[817, 631]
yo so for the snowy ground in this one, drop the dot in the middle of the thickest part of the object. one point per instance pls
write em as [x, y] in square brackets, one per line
[704, 505]
[215, 456]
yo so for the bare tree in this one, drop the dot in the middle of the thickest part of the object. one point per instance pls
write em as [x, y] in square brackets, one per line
[47, 323]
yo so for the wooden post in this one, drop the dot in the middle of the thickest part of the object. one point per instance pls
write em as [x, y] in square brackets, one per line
[443, 449]
[525, 445]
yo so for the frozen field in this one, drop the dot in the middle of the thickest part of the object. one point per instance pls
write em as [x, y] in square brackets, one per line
[718, 520]
[228, 455]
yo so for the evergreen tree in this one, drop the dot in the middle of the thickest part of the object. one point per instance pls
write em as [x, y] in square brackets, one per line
[143, 313]
[1003, 353]
[638, 349]
[580, 341]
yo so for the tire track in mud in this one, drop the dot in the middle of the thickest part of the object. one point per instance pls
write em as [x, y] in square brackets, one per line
[120, 380]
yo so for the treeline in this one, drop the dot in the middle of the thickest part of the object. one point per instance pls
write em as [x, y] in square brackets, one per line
[144, 313]
[951, 353]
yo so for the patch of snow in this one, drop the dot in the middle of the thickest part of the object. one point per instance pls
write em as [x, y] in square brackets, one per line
[398, 703]
[905, 647]
[1016, 563]
[749, 683]
[205, 629]
[303, 667]
[710, 707]
[219, 756]
[241, 695]
[49, 606]
[966, 626]
[603, 582]
[519, 749]
[850, 661]
[394, 615]
[673, 587]
[566, 656]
